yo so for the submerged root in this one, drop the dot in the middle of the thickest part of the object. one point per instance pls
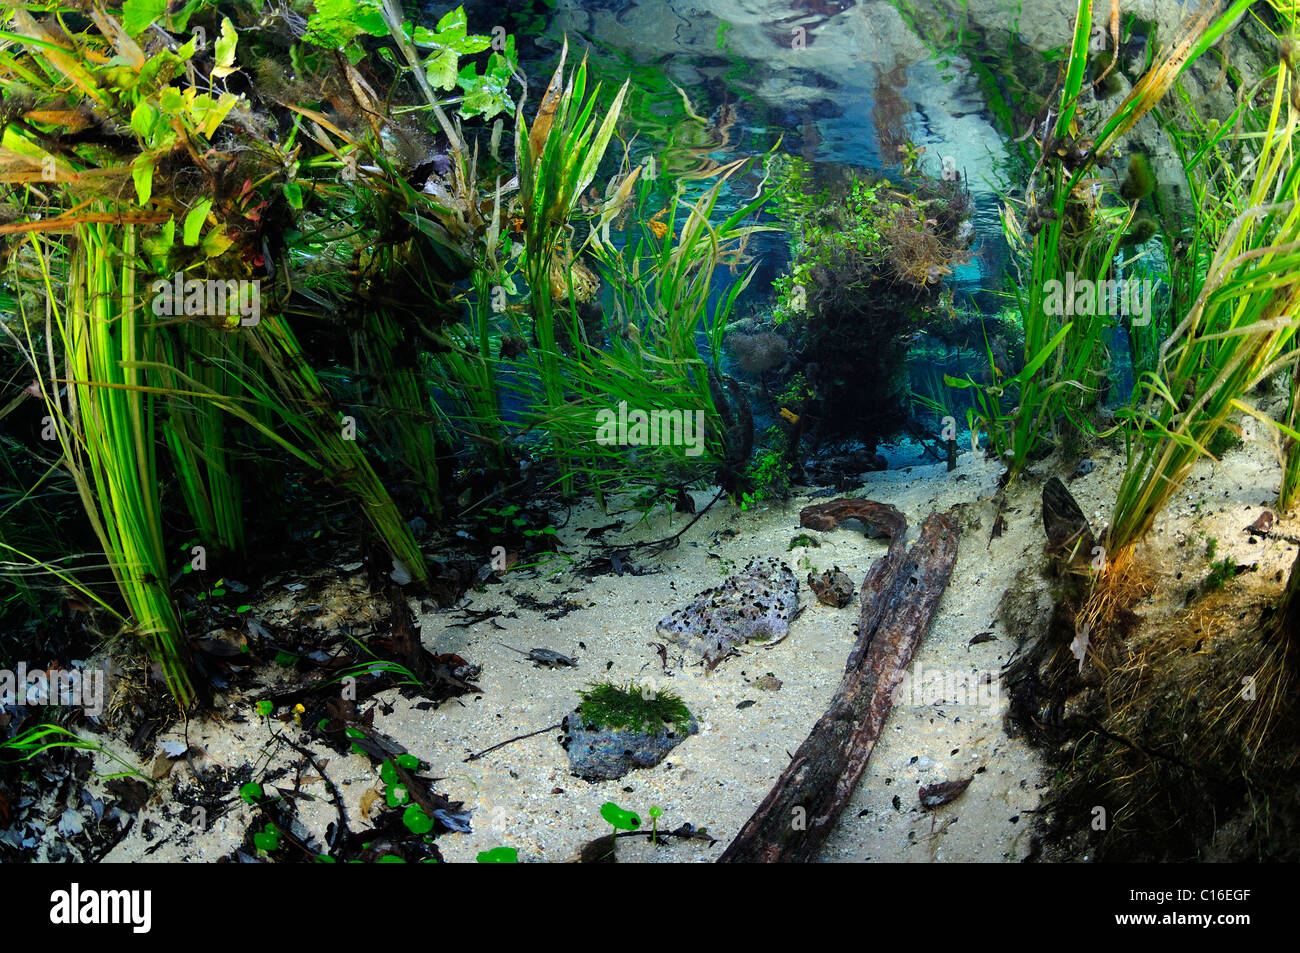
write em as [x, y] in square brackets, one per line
[1181, 724]
[1113, 593]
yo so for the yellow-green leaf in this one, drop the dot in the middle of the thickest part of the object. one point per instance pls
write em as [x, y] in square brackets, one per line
[217, 114]
[143, 118]
[194, 220]
[441, 69]
[137, 15]
[142, 175]
[215, 243]
[170, 100]
[225, 50]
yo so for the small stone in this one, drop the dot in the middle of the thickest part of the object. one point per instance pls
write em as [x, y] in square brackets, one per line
[832, 588]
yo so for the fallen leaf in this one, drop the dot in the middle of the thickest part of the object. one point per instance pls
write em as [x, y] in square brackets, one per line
[70, 823]
[935, 795]
[368, 799]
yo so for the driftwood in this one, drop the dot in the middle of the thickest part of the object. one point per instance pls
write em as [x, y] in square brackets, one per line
[899, 597]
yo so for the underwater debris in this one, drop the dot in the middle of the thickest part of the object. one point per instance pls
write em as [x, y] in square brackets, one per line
[756, 605]
[832, 587]
[539, 657]
[586, 284]
[1262, 526]
[1069, 537]
[825, 769]
[877, 519]
[756, 353]
[936, 795]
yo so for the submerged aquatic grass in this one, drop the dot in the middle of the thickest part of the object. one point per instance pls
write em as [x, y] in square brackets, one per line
[1070, 237]
[1240, 329]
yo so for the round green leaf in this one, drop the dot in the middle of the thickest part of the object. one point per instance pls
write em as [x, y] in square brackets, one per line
[623, 820]
[416, 821]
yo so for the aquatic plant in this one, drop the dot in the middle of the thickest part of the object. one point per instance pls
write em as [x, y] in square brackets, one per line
[38, 739]
[1240, 329]
[1069, 237]
[1289, 490]
[656, 812]
[557, 156]
[620, 818]
[191, 184]
[868, 267]
[640, 356]
[464, 366]
[631, 709]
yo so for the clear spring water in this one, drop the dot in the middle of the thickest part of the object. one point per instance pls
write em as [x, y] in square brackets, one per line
[836, 81]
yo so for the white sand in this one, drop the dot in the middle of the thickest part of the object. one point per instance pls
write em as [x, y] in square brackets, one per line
[523, 795]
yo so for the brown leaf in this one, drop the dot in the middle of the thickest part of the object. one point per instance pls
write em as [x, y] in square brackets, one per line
[545, 118]
[131, 793]
[935, 795]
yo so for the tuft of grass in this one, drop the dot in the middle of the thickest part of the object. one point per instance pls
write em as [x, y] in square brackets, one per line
[606, 705]
[1242, 321]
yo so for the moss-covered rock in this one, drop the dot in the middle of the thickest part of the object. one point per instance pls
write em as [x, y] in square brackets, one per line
[614, 730]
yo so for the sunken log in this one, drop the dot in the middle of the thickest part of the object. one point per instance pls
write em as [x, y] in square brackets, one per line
[899, 597]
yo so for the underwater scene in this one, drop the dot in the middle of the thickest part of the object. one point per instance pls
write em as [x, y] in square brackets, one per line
[646, 431]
